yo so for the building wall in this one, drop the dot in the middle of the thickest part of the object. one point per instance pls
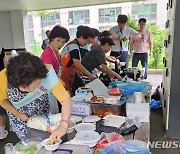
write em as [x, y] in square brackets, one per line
[13, 30]
[126, 8]
[6, 34]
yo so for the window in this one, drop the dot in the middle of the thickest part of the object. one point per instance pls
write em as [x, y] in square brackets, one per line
[78, 17]
[109, 14]
[148, 11]
[49, 21]
[31, 35]
[72, 32]
[30, 21]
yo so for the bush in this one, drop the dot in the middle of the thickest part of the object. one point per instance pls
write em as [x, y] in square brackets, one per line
[158, 37]
[36, 48]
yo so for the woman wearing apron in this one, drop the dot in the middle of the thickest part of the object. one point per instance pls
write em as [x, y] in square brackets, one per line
[71, 57]
[57, 39]
[24, 94]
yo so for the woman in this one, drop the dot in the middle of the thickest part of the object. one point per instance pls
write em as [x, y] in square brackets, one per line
[71, 57]
[97, 59]
[23, 89]
[57, 39]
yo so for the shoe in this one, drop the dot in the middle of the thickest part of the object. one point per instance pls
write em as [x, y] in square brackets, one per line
[5, 135]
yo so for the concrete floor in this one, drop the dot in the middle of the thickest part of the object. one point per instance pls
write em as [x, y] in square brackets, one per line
[156, 125]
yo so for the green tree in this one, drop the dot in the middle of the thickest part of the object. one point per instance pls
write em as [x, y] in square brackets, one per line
[158, 37]
[132, 23]
[36, 46]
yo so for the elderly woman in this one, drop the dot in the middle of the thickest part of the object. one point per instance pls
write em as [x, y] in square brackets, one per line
[24, 86]
[57, 39]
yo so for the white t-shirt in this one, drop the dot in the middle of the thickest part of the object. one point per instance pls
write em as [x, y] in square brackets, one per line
[126, 32]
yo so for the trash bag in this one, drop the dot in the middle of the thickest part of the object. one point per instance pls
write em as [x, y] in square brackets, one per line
[155, 104]
[157, 94]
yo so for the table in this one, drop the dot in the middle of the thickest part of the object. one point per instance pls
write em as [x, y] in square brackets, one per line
[142, 133]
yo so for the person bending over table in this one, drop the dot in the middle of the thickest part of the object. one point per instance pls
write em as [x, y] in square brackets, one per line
[24, 86]
[96, 58]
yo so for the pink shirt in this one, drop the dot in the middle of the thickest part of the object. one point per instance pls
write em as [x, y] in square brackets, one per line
[141, 45]
[50, 57]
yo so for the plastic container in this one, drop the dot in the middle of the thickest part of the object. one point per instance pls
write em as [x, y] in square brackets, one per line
[84, 127]
[103, 109]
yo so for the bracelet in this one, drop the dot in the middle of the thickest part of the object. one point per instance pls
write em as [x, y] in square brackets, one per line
[64, 127]
[64, 121]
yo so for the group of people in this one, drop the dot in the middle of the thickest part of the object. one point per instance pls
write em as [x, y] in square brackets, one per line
[26, 82]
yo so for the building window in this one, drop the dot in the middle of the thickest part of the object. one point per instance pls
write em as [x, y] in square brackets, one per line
[148, 11]
[30, 21]
[72, 32]
[78, 17]
[31, 35]
[48, 21]
[109, 14]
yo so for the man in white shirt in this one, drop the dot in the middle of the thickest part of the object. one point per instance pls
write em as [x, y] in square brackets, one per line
[122, 35]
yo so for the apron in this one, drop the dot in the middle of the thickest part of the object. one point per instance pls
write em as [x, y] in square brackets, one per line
[32, 104]
[68, 73]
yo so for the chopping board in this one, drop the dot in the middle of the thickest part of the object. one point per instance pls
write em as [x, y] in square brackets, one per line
[77, 149]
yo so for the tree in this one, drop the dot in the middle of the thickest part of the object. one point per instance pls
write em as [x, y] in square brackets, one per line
[158, 37]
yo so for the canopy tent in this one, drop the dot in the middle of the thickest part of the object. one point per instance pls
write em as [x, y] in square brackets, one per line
[32, 5]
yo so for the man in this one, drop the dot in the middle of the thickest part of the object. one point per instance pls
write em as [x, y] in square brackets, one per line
[122, 35]
[46, 41]
[141, 47]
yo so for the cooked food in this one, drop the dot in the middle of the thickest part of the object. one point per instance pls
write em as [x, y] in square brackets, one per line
[97, 99]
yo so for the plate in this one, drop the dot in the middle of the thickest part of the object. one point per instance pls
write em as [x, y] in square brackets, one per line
[92, 118]
[75, 118]
[85, 127]
[88, 137]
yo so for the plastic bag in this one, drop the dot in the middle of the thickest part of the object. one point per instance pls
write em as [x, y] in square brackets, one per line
[155, 104]
[29, 146]
[119, 148]
[110, 138]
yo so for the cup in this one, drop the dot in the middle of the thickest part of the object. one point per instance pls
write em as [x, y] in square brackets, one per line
[139, 97]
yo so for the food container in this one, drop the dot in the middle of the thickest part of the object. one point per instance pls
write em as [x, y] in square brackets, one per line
[103, 109]
[112, 99]
[50, 147]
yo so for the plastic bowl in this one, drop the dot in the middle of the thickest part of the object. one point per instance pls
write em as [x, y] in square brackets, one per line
[50, 147]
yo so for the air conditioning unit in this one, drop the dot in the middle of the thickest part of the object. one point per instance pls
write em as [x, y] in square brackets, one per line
[70, 21]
